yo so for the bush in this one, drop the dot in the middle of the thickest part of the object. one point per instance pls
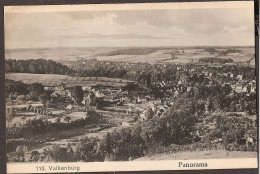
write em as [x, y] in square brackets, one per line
[12, 144]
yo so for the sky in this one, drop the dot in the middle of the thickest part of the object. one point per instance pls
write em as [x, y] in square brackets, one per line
[173, 24]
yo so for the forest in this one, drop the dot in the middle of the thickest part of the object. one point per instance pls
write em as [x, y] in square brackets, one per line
[145, 74]
[36, 66]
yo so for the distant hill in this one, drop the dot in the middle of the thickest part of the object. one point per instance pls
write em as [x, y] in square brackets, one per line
[135, 54]
[215, 60]
[131, 51]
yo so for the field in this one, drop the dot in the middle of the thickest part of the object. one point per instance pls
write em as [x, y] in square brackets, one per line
[211, 154]
[135, 54]
[54, 79]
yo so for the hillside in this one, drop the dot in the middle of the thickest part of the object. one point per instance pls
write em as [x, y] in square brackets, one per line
[211, 154]
[136, 54]
[54, 79]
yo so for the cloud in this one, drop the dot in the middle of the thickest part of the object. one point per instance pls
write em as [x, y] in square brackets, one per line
[114, 36]
[226, 26]
[190, 20]
[83, 15]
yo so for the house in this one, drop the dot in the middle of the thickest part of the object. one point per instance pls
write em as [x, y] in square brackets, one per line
[176, 93]
[98, 94]
[188, 88]
[229, 64]
[109, 98]
[180, 89]
[240, 77]
[231, 75]
[153, 107]
[127, 124]
[239, 87]
[69, 93]
[179, 82]
[143, 115]
[69, 107]
[233, 86]
[160, 111]
[141, 100]
[244, 89]
[162, 84]
[225, 74]
[252, 87]
[59, 91]
[85, 88]
[49, 88]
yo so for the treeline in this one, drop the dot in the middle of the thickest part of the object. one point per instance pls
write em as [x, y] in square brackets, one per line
[215, 60]
[16, 87]
[144, 74]
[111, 72]
[37, 66]
[130, 51]
[41, 126]
[19, 90]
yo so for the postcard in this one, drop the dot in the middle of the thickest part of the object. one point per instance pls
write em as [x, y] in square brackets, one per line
[130, 87]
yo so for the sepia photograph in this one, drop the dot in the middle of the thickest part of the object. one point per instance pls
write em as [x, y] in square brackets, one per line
[148, 82]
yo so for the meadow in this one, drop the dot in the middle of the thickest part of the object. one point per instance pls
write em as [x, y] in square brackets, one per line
[136, 54]
[54, 80]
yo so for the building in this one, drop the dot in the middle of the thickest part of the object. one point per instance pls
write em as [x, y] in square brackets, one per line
[59, 91]
[141, 99]
[240, 77]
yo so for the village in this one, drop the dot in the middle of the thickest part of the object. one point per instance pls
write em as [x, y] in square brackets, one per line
[97, 84]
[107, 107]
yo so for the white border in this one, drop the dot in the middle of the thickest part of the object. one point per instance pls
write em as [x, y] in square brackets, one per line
[140, 6]
[134, 165]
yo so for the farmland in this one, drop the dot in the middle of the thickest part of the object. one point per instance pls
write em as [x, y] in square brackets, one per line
[134, 55]
[54, 79]
[172, 86]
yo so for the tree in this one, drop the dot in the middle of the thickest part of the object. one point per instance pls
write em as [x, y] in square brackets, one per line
[77, 94]
[20, 152]
[157, 93]
[36, 89]
[227, 89]
[149, 113]
[20, 98]
[60, 154]
[10, 114]
[87, 150]
[46, 96]
[106, 147]
[57, 120]
[67, 119]
[39, 66]
[18, 88]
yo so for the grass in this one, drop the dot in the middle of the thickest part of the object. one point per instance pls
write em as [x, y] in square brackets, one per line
[54, 79]
[132, 54]
[60, 134]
